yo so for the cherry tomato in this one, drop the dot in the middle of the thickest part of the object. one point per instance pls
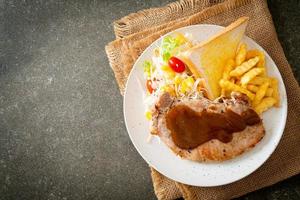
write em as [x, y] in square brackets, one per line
[176, 64]
[149, 86]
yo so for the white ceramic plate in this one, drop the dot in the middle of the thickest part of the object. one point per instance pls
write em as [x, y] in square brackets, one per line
[160, 157]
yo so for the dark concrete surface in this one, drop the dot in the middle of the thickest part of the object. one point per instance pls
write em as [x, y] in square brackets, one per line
[62, 134]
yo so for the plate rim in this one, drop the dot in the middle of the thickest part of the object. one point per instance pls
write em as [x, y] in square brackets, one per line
[282, 127]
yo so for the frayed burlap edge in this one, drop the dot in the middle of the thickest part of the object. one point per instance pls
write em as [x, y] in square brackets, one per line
[139, 21]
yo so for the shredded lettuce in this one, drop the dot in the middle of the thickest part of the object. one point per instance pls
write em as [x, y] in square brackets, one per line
[148, 68]
[169, 44]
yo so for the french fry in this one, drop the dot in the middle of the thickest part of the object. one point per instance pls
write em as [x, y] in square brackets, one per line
[269, 92]
[244, 67]
[266, 103]
[253, 53]
[228, 67]
[241, 54]
[254, 89]
[260, 93]
[247, 77]
[227, 85]
[247, 74]
[223, 92]
[274, 83]
[259, 80]
[261, 55]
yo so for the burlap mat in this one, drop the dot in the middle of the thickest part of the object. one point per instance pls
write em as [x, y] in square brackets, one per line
[136, 31]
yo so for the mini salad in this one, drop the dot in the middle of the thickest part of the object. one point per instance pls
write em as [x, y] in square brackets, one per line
[167, 73]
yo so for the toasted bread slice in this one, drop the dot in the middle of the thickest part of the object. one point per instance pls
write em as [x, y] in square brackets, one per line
[207, 59]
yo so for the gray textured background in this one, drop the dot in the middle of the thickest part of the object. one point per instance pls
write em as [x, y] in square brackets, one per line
[62, 134]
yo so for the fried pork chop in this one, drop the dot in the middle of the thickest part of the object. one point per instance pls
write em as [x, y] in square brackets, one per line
[214, 149]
